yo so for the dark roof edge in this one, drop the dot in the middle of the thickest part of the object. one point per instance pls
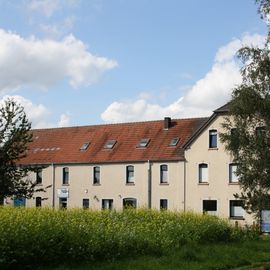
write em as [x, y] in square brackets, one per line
[221, 110]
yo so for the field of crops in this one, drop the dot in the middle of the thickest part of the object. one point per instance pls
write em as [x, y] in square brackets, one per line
[30, 237]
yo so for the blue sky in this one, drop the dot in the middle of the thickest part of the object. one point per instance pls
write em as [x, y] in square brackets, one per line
[80, 62]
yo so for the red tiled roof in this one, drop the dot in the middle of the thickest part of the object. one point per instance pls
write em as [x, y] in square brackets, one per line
[62, 145]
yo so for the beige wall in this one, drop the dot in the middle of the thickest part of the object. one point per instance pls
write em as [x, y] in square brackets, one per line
[218, 186]
[113, 185]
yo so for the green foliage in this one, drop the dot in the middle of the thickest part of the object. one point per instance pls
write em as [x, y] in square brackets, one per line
[39, 236]
[14, 138]
[249, 109]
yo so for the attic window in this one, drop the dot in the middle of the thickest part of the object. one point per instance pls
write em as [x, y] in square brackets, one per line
[110, 144]
[143, 143]
[174, 142]
[84, 146]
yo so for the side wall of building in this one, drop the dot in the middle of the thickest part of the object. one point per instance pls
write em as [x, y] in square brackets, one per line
[217, 185]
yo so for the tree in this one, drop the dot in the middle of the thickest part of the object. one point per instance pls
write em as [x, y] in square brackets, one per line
[247, 129]
[15, 135]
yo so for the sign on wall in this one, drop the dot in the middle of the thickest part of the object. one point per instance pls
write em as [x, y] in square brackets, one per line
[265, 221]
[62, 193]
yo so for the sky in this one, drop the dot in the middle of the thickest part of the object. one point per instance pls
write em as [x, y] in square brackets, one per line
[85, 62]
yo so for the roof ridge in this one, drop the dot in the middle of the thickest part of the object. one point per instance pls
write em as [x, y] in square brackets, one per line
[120, 123]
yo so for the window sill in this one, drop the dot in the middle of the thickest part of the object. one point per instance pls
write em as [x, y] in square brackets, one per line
[130, 184]
[233, 183]
[237, 218]
[39, 184]
[203, 184]
[212, 148]
[66, 185]
[164, 184]
[96, 184]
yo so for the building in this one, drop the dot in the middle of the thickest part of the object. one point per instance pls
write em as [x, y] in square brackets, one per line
[176, 164]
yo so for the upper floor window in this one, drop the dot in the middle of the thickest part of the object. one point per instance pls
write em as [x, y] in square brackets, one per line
[130, 174]
[96, 175]
[213, 138]
[39, 176]
[203, 173]
[260, 131]
[163, 173]
[65, 179]
[233, 178]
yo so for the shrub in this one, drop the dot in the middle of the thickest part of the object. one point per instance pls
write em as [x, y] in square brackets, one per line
[40, 236]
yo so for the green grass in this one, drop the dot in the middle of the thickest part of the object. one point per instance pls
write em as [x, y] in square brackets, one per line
[238, 256]
[32, 237]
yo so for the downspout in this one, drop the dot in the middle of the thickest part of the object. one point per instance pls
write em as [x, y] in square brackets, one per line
[149, 185]
[185, 185]
[53, 186]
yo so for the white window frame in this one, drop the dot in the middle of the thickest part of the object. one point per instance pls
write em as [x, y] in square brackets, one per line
[203, 173]
[164, 174]
[233, 178]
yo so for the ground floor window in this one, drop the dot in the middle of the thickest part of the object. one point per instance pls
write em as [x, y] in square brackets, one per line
[210, 207]
[107, 204]
[38, 201]
[63, 203]
[85, 203]
[236, 209]
[163, 205]
[129, 203]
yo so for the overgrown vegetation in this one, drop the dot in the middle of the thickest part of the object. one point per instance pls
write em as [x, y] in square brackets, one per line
[30, 237]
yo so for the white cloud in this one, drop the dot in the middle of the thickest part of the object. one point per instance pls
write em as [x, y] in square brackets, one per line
[207, 94]
[43, 63]
[64, 120]
[36, 113]
[45, 7]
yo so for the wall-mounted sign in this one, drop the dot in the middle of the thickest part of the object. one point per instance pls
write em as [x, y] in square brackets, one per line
[265, 221]
[62, 193]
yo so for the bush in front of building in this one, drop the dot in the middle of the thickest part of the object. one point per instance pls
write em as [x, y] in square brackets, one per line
[30, 237]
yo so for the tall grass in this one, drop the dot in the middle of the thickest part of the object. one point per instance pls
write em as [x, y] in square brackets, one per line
[39, 236]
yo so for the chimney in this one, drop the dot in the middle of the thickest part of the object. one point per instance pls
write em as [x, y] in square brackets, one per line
[167, 122]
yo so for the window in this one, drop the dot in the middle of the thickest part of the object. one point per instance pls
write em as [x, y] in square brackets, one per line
[129, 203]
[38, 201]
[143, 143]
[233, 178]
[129, 174]
[65, 176]
[110, 144]
[260, 131]
[210, 207]
[39, 176]
[236, 209]
[62, 203]
[84, 146]
[107, 204]
[163, 204]
[203, 173]
[85, 203]
[163, 174]
[213, 138]
[96, 175]
[174, 142]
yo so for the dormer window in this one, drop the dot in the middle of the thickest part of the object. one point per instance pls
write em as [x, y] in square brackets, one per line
[174, 141]
[143, 143]
[110, 144]
[84, 146]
